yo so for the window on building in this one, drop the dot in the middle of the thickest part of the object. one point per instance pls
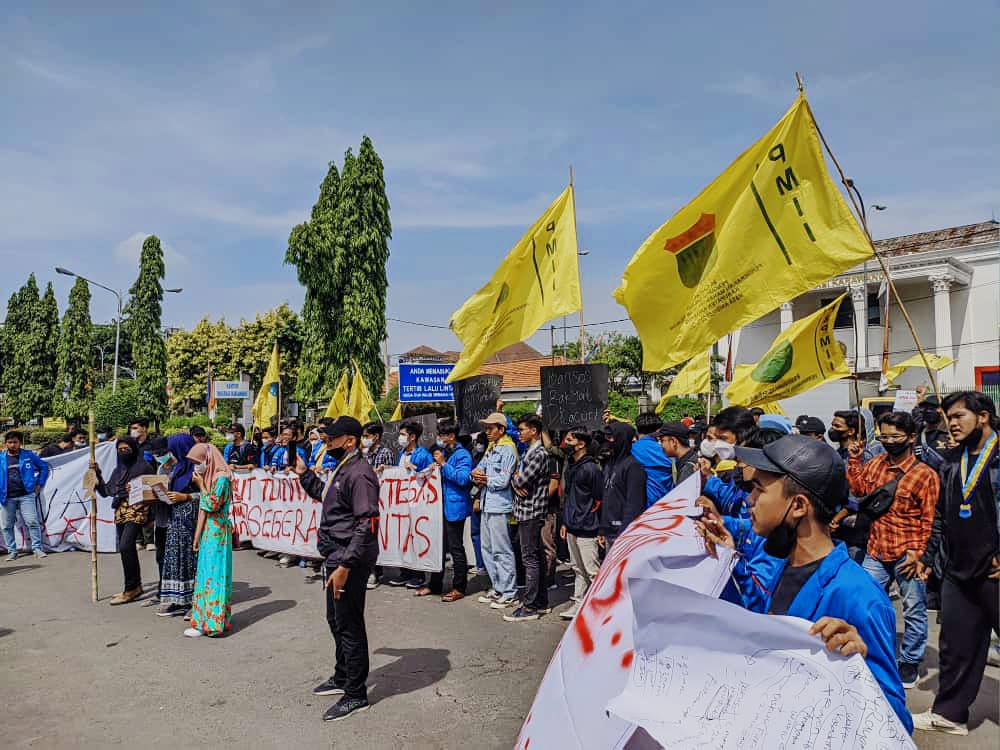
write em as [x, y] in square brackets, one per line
[845, 315]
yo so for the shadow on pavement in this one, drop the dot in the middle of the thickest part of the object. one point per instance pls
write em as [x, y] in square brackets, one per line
[415, 669]
[5, 631]
[17, 569]
[256, 613]
[244, 592]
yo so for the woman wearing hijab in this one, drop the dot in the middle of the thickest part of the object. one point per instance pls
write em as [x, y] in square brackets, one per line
[213, 542]
[177, 575]
[129, 519]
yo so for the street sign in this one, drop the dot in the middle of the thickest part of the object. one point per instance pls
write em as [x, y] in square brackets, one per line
[424, 382]
[231, 389]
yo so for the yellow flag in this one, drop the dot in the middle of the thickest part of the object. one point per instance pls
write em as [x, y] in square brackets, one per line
[804, 355]
[360, 403]
[936, 362]
[397, 415]
[265, 405]
[339, 400]
[693, 378]
[769, 228]
[773, 407]
[538, 280]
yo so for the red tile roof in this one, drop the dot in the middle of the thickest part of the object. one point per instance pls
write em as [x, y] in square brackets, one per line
[941, 239]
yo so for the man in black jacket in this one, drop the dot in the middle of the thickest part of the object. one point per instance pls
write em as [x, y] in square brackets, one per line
[624, 483]
[964, 549]
[348, 542]
[583, 488]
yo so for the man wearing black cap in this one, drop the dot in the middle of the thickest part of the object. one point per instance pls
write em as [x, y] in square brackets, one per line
[791, 566]
[348, 542]
[674, 439]
[811, 427]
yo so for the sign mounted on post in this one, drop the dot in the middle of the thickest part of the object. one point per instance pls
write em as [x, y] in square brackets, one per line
[424, 382]
[231, 389]
[574, 396]
[475, 399]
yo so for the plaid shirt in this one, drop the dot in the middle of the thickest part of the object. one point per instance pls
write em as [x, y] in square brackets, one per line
[907, 523]
[380, 456]
[533, 477]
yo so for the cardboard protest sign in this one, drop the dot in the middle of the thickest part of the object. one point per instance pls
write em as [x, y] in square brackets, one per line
[475, 399]
[427, 439]
[574, 395]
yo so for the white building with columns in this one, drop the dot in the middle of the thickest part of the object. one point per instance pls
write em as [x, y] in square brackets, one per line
[949, 281]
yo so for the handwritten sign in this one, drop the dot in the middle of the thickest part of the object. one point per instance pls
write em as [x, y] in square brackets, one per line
[411, 528]
[475, 399]
[574, 395]
[390, 431]
[424, 382]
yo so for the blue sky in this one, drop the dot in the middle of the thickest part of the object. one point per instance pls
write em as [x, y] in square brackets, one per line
[211, 125]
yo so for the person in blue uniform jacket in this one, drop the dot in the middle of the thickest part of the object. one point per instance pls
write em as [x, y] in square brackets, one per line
[791, 566]
[647, 451]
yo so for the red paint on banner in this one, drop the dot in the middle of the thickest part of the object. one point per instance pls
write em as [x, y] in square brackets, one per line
[627, 659]
[616, 638]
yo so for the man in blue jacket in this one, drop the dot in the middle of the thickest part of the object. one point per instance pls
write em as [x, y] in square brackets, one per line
[456, 479]
[792, 567]
[647, 451]
[23, 478]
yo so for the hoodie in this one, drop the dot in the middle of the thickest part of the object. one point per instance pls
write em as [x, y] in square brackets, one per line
[582, 492]
[624, 482]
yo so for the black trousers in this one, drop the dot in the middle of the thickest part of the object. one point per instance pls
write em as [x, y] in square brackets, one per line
[968, 611]
[346, 617]
[128, 534]
[454, 538]
[160, 539]
[536, 595]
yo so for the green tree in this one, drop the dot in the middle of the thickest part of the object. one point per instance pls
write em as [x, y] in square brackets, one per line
[254, 339]
[142, 321]
[363, 233]
[189, 353]
[312, 249]
[104, 347]
[34, 354]
[75, 356]
[22, 309]
[117, 409]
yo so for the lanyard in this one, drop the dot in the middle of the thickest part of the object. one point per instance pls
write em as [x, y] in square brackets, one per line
[971, 478]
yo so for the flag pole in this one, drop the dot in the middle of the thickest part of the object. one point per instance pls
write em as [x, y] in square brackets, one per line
[92, 491]
[849, 186]
[583, 338]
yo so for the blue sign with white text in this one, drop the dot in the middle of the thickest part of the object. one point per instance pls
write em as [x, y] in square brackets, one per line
[425, 383]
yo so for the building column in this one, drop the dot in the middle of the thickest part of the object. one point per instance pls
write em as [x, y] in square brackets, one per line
[941, 284]
[859, 298]
[786, 315]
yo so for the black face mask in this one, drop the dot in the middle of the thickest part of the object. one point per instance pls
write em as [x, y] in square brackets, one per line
[895, 449]
[569, 451]
[607, 452]
[337, 453]
[836, 436]
[781, 541]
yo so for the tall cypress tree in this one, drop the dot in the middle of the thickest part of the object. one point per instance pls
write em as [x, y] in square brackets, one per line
[363, 230]
[22, 309]
[312, 249]
[75, 356]
[45, 337]
[142, 321]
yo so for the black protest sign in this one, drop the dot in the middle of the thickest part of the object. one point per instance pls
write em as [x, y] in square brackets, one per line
[574, 396]
[475, 399]
[390, 432]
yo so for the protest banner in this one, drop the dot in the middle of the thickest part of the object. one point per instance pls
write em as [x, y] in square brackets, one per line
[390, 432]
[708, 673]
[574, 395]
[475, 399]
[593, 660]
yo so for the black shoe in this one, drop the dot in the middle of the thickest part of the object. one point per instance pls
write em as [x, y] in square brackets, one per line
[909, 674]
[415, 583]
[398, 581]
[330, 687]
[344, 708]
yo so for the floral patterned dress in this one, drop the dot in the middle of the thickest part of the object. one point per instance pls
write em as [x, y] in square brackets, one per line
[210, 610]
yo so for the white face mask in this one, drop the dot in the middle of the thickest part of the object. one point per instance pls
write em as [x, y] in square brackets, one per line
[199, 469]
[403, 441]
[725, 451]
[266, 442]
[102, 436]
[135, 434]
[367, 443]
[230, 437]
[439, 443]
[79, 444]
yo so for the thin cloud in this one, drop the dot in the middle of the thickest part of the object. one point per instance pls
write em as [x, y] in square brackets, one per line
[130, 249]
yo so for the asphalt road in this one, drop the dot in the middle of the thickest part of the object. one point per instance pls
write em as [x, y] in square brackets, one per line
[79, 675]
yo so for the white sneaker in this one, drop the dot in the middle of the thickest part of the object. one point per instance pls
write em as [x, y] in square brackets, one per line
[489, 597]
[11, 556]
[569, 614]
[506, 601]
[150, 548]
[373, 582]
[932, 722]
[40, 554]
[193, 633]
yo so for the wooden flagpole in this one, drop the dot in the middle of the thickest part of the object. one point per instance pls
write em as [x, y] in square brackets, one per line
[583, 337]
[849, 186]
[93, 513]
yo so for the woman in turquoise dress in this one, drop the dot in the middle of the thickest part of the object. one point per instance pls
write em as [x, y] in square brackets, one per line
[213, 542]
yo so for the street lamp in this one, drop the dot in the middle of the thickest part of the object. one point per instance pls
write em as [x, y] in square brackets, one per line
[118, 320]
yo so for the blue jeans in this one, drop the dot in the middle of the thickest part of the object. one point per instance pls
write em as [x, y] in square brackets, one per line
[477, 519]
[28, 506]
[498, 554]
[914, 593]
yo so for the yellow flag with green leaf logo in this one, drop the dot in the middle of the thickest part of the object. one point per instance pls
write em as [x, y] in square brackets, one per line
[265, 405]
[340, 398]
[936, 362]
[538, 280]
[360, 403]
[693, 378]
[804, 355]
[769, 228]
